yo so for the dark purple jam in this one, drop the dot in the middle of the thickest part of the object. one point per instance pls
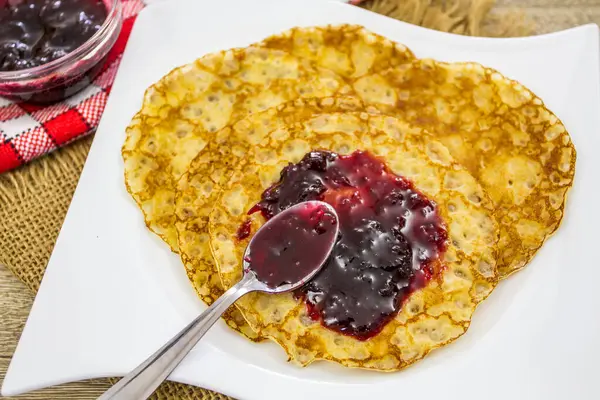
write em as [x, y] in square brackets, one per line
[390, 238]
[35, 32]
[292, 247]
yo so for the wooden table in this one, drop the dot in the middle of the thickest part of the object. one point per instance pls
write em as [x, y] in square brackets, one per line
[16, 299]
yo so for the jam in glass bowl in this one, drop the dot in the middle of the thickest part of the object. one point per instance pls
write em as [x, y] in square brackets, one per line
[52, 49]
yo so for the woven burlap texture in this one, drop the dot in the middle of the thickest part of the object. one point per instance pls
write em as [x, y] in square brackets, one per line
[34, 199]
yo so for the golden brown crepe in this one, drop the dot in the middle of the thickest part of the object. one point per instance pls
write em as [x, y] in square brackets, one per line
[500, 131]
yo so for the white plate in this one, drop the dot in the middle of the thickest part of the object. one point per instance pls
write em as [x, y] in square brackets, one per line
[113, 292]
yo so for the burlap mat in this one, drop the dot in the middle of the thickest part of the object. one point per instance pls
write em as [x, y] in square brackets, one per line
[34, 198]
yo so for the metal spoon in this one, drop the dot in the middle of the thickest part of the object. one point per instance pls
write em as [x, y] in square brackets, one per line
[143, 381]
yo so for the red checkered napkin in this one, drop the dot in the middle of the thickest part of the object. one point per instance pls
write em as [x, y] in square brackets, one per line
[28, 131]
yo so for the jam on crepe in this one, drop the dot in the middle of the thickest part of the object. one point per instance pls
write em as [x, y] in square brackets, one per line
[390, 240]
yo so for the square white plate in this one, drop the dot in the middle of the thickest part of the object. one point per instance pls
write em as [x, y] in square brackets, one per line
[113, 292]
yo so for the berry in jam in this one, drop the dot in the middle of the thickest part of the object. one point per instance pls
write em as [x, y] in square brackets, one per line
[35, 32]
[244, 230]
[288, 249]
[390, 238]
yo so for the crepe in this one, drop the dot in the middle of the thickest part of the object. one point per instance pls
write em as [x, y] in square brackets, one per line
[497, 129]
[500, 131]
[349, 50]
[182, 112]
[431, 317]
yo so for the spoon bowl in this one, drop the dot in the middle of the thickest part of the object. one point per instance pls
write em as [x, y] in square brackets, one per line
[298, 265]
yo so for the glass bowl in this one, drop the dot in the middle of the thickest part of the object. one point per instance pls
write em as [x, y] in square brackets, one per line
[67, 75]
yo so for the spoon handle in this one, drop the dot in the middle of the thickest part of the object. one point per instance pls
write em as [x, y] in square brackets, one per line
[143, 381]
